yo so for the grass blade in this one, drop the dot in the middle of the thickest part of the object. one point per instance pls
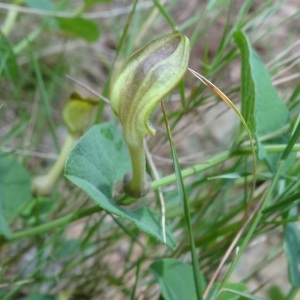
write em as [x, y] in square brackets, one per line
[182, 193]
[232, 106]
[164, 12]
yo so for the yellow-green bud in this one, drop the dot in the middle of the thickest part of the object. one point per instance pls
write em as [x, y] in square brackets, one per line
[145, 79]
[77, 113]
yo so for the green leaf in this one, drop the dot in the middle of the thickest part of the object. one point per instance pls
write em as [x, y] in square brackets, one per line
[80, 28]
[291, 143]
[215, 4]
[4, 228]
[272, 159]
[283, 205]
[175, 278]
[15, 186]
[164, 12]
[295, 96]
[89, 3]
[8, 62]
[227, 176]
[43, 206]
[275, 293]
[100, 159]
[262, 108]
[292, 250]
[39, 297]
[231, 291]
[186, 209]
[66, 249]
[15, 190]
[40, 4]
[235, 294]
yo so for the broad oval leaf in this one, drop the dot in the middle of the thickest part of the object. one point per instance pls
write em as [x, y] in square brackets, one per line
[97, 161]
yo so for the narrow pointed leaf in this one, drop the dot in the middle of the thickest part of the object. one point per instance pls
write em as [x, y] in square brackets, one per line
[8, 62]
[262, 108]
[182, 193]
[292, 250]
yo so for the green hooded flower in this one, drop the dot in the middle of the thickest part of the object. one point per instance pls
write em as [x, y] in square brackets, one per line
[145, 79]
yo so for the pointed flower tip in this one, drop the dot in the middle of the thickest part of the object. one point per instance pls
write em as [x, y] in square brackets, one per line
[145, 79]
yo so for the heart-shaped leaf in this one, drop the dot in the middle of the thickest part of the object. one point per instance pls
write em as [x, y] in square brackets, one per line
[98, 160]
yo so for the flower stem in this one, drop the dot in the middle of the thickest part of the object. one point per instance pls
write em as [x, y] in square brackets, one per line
[51, 225]
[42, 185]
[26, 40]
[137, 183]
[9, 22]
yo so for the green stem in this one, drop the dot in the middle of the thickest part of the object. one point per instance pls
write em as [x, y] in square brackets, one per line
[165, 13]
[193, 170]
[182, 194]
[137, 184]
[60, 162]
[255, 222]
[119, 47]
[217, 159]
[26, 41]
[42, 185]
[54, 224]
[9, 22]
[155, 185]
